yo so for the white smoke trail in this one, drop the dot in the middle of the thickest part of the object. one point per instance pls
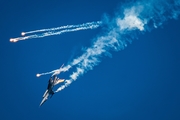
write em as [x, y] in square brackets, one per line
[51, 32]
[64, 69]
[134, 17]
[55, 72]
[63, 27]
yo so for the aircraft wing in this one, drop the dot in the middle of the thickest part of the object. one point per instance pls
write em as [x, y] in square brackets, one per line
[45, 92]
[58, 81]
[44, 99]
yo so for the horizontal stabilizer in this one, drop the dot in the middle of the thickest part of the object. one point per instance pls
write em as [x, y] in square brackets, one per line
[59, 81]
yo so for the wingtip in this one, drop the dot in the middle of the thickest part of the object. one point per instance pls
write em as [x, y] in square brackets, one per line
[39, 105]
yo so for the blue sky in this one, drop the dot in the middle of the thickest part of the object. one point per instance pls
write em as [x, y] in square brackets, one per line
[140, 82]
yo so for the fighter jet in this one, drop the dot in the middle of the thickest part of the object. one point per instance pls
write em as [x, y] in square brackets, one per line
[54, 80]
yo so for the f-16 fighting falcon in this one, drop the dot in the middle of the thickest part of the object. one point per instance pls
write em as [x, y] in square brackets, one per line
[54, 80]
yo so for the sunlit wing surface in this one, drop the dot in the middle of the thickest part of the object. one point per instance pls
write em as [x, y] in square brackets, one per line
[44, 99]
[59, 81]
[45, 93]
